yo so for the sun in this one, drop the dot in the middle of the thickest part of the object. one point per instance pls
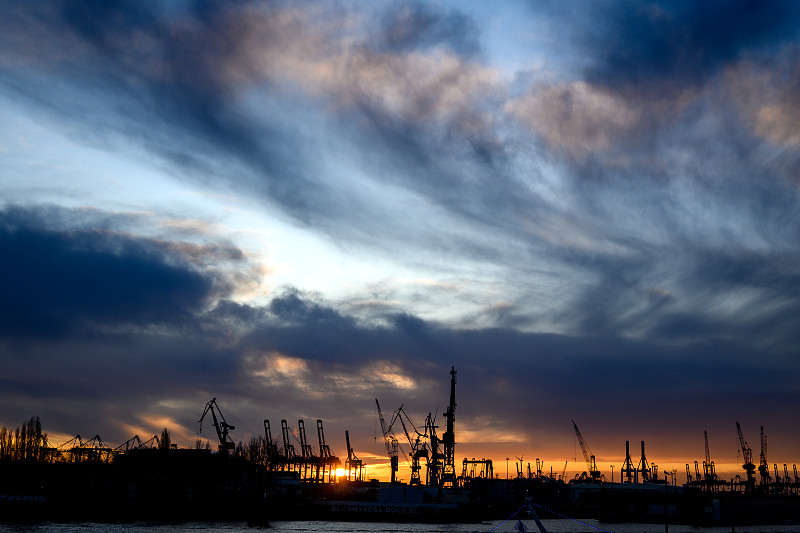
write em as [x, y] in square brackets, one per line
[340, 472]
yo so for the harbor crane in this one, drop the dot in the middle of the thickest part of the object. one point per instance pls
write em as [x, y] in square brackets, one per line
[226, 444]
[449, 437]
[591, 465]
[709, 470]
[628, 470]
[353, 465]
[392, 445]
[417, 445]
[273, 455]
[763, 467]
[747, 456]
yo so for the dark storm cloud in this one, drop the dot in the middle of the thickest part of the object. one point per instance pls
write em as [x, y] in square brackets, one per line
[303, 357]
[677, 43]
[538, 381]
[57, 281]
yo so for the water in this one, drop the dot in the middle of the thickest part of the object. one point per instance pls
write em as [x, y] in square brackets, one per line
[552, 526]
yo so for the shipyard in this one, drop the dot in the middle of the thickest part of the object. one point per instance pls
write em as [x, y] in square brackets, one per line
[271, 479]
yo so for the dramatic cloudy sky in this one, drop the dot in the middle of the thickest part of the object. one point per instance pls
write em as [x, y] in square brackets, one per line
[590, 209]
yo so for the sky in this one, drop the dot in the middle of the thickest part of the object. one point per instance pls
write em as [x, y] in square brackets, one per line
[590, 209]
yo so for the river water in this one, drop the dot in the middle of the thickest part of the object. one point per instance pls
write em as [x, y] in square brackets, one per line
[552, 526]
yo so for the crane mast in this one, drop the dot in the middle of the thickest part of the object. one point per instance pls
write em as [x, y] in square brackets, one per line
[449, 437]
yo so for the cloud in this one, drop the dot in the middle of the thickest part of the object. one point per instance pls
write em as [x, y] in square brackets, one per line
[766, 93]
[668, 45]
[576, 116]
[58, 281]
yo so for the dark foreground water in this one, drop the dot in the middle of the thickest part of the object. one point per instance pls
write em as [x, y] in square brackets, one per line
[552, 526]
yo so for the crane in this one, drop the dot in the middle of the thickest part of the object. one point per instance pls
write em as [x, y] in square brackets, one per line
[273, 455]
[435, 466]
[709, 469]
[326, 457]
[289, 453]
[449, 438]
[226, 444]
[309, 460]
[354, 464]
[763, 467]
[747, 455]
[418, 449]
[391, 443]
[594, 474]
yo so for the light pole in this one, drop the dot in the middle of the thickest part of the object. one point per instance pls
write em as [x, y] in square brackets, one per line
[506, 467]
[612, 473]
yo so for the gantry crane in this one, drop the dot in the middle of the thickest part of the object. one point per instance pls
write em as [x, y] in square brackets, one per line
[591, 465]
[747, 456]
[628, 470]
[226, 444]
[309, 460]
[289, 453]
[328, 461]
[273, 455]
[644, 467]
[354, 465]
[392, 445]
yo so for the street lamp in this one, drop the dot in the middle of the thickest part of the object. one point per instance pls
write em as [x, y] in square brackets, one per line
[507, 467]
[612, 473]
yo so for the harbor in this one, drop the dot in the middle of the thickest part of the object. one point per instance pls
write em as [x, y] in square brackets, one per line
[270, 481]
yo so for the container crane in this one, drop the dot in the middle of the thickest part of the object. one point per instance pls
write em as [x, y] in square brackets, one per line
[327, 459]
[273, 455]
[309, 460]
[354, 465]
[591, 465]
[644, 467]
[628, 469]
[747, 456]
[392, 445]
[289, 453]
[226, 444]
